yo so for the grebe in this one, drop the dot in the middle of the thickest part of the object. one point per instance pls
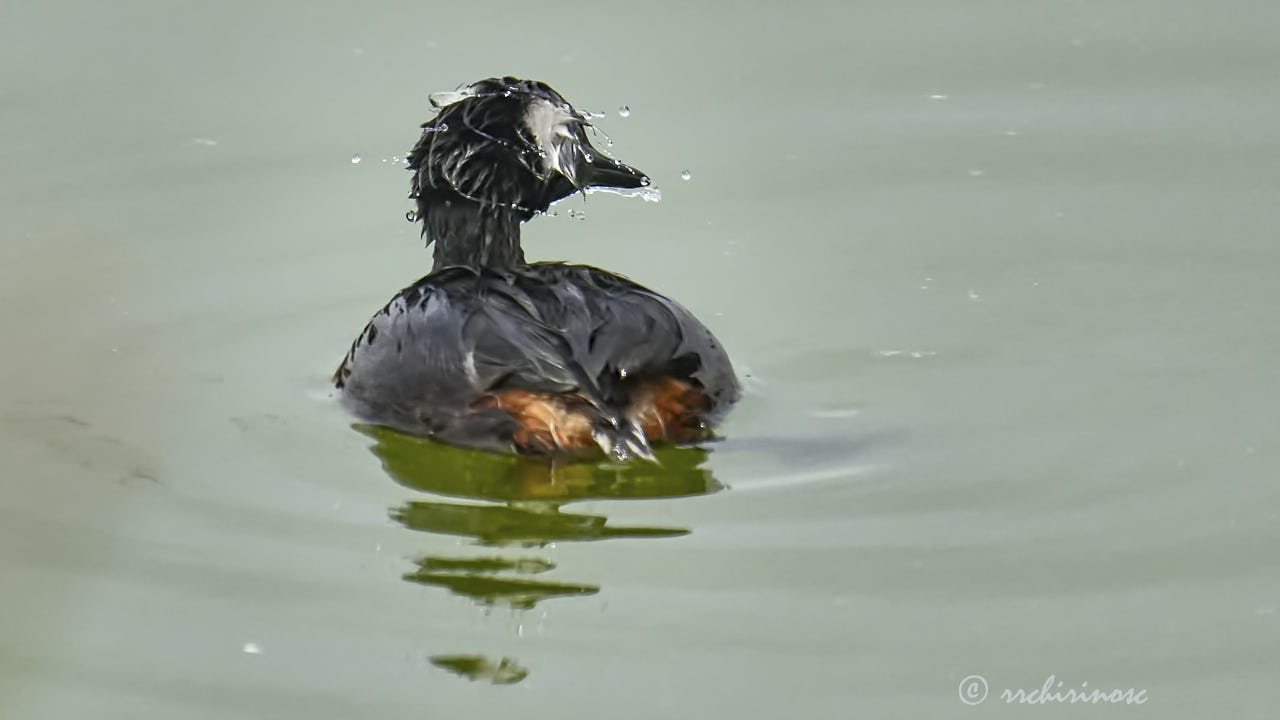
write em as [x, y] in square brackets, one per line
[542, 358]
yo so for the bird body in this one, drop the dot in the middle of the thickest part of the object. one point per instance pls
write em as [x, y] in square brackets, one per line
[544, 358]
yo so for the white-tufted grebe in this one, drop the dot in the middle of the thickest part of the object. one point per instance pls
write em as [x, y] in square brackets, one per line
[541, 358]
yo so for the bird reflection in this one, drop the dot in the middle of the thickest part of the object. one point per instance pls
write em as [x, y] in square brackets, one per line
[478, 667]
[515, 502]
[516, 593]
[434, 467]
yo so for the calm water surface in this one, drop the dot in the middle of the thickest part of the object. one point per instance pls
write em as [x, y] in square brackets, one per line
[1001, 278]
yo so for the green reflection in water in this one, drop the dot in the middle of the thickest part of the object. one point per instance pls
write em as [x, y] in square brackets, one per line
[477, 667]
[514, 593]
[471, 577]
[442, 469]
[496, 525]
[516, 500]
[526, 565]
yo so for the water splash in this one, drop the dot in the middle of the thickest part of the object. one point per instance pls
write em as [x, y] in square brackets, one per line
[355, 159]
[624, 111]
[648, 194]
[597, 131]
[685, 175]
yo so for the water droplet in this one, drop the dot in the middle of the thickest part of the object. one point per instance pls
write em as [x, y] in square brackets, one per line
[355, 158]
[624, 111]
[685, 175]
[411, 216]
[395, 158]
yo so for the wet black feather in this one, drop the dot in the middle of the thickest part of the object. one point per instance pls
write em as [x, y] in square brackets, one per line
[547, 327]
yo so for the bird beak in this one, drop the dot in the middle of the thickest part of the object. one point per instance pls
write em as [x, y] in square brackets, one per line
[586, 167]
[601, 171]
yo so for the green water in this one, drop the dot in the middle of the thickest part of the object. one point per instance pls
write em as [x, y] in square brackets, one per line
[1001, 277]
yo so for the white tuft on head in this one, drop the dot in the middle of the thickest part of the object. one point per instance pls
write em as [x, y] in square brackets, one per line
[547, 121]
[441, 100]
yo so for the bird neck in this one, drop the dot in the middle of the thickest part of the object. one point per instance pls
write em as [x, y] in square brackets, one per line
[469, 234]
